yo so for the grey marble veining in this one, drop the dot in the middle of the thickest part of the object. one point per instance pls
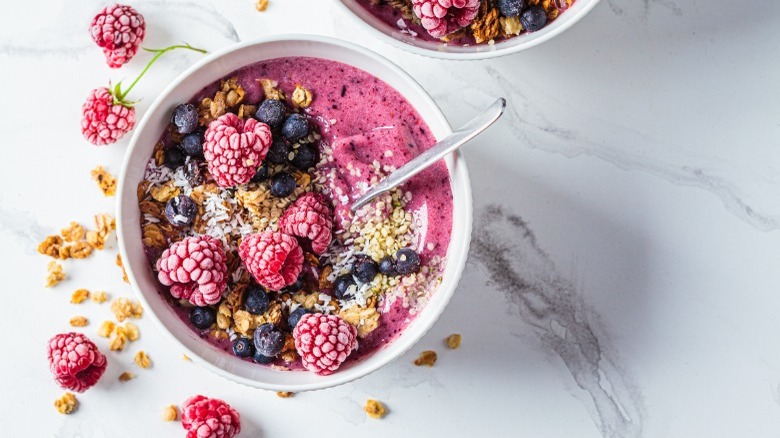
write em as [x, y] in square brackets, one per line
[507, 248]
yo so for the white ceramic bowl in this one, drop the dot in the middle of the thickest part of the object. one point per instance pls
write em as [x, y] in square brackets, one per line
[392, 35]
[146, 134]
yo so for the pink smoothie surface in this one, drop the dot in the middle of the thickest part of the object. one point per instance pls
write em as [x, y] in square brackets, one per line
[363, 120]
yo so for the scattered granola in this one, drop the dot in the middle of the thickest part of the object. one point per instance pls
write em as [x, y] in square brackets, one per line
[375, 409]
[142, 359]
[122, 267]
[75, 242]
[126, 376]
[73, 232]
[99, 296]
[169, 413]
[50, 246]
[427, 358]
[453, 341]
[106, 328]
[79, 296]
[105, 180]
[66, 404]
[124, 308]
[118, 339]
[285, 394]
[261, 5]
[55, 274]
[79, 321]
[185, 357]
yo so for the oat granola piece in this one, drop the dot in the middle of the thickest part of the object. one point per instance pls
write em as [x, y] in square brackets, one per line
[284, 394]
[364, 319]
[270, 89]
[55, 274]
[124, 308]
[375, 409]
[164, 192]
[73, 232]
[105, 180]
[185, 357]
[106, 329]
[118, 339]
[66, 404]
[453, 341]
[486, 26]
[170, 413]
[80, 250]
[301, 97]
[122, 267]
[132, 331]
[126, 376]
[427, 358]
[142, 359]
[104, 224]
[51, 246]
[79, 321]
[510, 26]
[99, 297]
[261, 5]
[246, 111]
[79, 296]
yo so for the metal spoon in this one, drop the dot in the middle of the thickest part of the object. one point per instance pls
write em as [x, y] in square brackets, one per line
[453, 141]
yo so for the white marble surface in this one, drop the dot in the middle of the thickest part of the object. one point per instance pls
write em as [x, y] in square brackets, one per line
[623, 280]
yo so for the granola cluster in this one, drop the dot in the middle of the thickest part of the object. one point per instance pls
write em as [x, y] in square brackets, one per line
[74, 241]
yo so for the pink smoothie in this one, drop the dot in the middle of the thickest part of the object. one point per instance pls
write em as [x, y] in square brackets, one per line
[362, 120]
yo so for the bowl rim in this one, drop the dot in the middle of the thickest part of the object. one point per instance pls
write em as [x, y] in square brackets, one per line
[458, 166]
[498, 50]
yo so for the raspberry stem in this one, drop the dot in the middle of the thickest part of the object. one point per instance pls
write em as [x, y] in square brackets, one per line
[119, 95]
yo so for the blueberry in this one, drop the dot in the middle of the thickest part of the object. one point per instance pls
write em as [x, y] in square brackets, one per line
[295, 316]
[181, 211]
[279, 152]
[533, 18]
[298, 285]
[282, 185]
[256, 299]
[387, 266]
[295, 127]
[510, 8]
[203, 317]
[271, 112]
[261, 174]
[269, 340]
[365, 268]
[174, 157]
[185, 118]
[192, 173]
[192, 145]
[243, 347]
[407, 261]
[305, 157]
[341, 287]
[259, 358]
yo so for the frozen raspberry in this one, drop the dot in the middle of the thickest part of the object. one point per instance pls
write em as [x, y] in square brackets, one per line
[195, 270]
[235, 148]
[204, 417]
[442, 17]
[310, 217]
[324, 342]
[105, 121]
[75, 361]
[119, 30]
[274, 259]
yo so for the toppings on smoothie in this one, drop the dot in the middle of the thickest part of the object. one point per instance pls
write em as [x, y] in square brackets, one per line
[243, 347]
[309, 217]
[234, 148]
[295, 127]
[510, 8]
[305, 157]
[453, 341]
[274, 259]
[344, 287]
[195, 270]
[204, 417]
[375, 409]
[364, 268]
[271, 112]
[75, 361]
[407, 261]
[185, 118]
[105, 180]
[443, 17]
[282, 185]
[256, 300]
[295, 316]
[426, 358]
[119, 31]
[203, 317]
[487, 25]
[181, 211]
[533, 18]
[301, 97]
[174, 158]
[269, 340]
[324, 342]
[66, 404]
[192, 145]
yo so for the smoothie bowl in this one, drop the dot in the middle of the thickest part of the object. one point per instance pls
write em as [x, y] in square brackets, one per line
[234, 217]
[466, 29]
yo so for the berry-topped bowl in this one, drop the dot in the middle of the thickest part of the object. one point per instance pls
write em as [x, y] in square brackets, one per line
[466, 29]
[235, 225]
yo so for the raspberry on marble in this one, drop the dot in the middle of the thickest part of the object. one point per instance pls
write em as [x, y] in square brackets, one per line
[103, 120]
[204, 417]
[119, 31]
[75, 361]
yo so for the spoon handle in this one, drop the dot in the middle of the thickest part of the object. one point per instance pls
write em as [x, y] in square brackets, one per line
[453, 141]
